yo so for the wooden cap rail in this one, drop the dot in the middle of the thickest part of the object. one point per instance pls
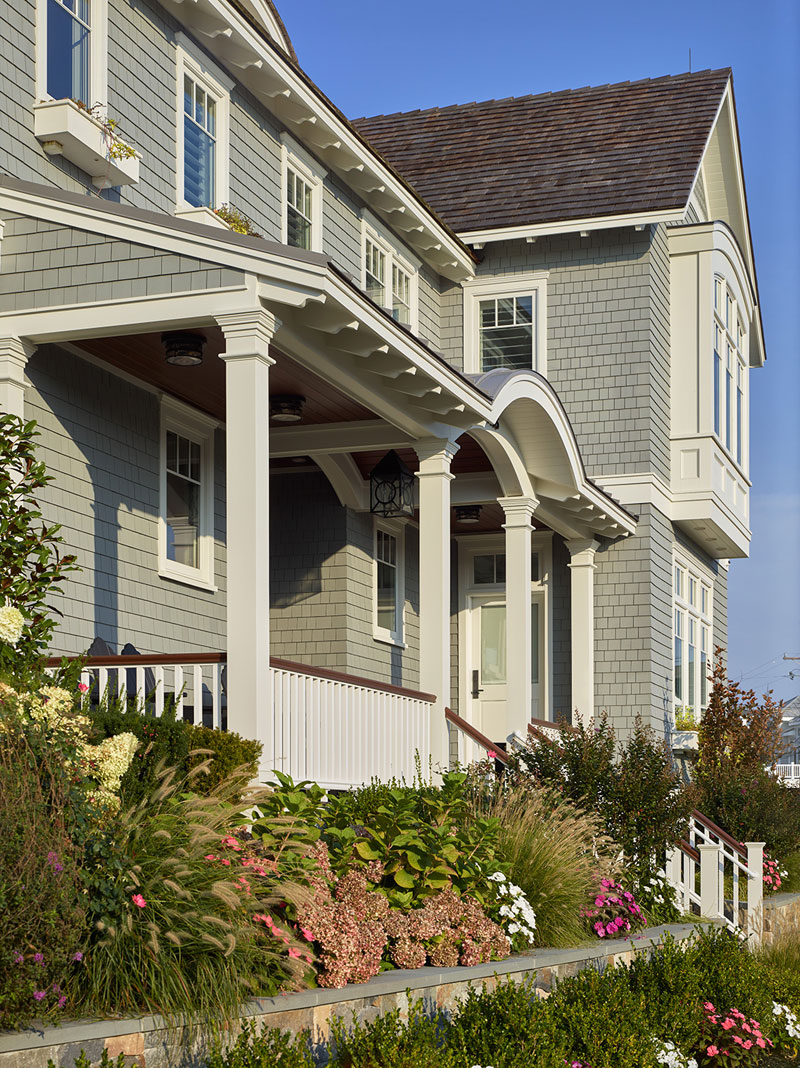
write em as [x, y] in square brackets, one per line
[716, 830]
[132, 660]
[475, 735]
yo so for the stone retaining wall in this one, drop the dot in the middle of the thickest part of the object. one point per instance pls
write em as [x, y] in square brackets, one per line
[150, 1043]
[781, 914]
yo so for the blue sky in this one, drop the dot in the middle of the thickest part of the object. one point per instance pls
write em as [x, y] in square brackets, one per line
[422, 53]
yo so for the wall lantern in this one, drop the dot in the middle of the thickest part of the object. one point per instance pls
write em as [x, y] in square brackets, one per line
[468, 513]
[286, 408]
[391, 488]
[183, 350]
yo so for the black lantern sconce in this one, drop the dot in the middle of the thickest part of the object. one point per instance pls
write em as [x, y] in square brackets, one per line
[182, 349]
[391, 488]
[468, 513]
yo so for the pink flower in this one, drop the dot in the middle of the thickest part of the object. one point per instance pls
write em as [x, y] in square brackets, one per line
[709, 1007]
[294, 952]
[138, 901]
[39, 994]
[227, 863]
[712, 1051]
[82, 686]
[491, 755]
[727, 1025]
[210, 856]
[62, 1001]
[761, 1042]
[38, 958]
[77, 956]
[19, 959]
[229, 840]
[304, 931]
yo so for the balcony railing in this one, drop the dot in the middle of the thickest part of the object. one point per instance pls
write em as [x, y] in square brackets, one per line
[338, 730]
[789, 774]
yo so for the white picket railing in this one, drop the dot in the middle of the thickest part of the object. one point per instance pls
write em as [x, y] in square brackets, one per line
[341, 730]
[707, 871]
[789, 774]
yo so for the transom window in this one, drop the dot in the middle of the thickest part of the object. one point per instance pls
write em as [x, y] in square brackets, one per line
[299, 210]
[199, 144]
[729, 371]
[506, 332]
[68, 50]
[490, 568]
[389, 592]
[693, 638]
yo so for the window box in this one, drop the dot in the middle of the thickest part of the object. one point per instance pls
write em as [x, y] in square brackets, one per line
[202, 215]
[66, 130]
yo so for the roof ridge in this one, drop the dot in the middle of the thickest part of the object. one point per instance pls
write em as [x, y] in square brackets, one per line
[685, 75]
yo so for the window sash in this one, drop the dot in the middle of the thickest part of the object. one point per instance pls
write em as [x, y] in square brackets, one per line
[68, 50]
[387, 582]
[199, 144]
[692, 631]
[184, 467]
[375, 272]
[299, 210]
[506, 332]
[401, 295]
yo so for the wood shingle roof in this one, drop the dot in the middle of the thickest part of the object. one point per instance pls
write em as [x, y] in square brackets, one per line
[618, 149]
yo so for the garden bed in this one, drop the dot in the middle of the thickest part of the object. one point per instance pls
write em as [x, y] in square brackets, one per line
[151, 1042]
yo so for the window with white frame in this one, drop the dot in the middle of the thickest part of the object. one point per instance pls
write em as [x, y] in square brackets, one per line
[389, 582]
[390, 277]
[693, 634]
[72, 62]
[729, 372]
[203, 94]
[505, 324]
[302, 190]
[186, 540]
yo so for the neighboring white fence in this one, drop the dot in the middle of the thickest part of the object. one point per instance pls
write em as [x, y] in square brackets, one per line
[789, 774]
[708, 873]
[341, 731]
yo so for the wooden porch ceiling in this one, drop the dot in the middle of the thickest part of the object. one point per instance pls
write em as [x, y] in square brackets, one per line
[142, 356]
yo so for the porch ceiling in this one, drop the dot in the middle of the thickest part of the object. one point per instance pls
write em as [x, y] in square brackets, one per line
[142, 356]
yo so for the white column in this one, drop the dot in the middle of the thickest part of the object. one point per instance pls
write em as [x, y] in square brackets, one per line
[14, 355]
[247, 363]
[582, 565]
[435, 457]
[518, 513]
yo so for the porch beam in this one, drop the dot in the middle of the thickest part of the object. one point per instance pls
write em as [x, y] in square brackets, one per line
[14, 355]
[582, 568]
[247, 363]
[330, 438]
[519, 628]
[434, 478]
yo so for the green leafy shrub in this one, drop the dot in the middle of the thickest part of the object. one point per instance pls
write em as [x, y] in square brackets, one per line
[753, 807]
[82, 1061]
[287, 823]
[391, 1042]
[264, 1048]
[781, 959]
[222, 753]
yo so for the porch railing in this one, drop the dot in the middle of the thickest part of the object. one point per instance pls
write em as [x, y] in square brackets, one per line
[789, 774]
[472, 744]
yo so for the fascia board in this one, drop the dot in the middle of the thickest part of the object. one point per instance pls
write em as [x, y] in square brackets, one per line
[569, 226]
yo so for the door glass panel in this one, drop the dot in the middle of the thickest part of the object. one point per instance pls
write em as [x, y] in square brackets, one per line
[493, 643]
[534, 643]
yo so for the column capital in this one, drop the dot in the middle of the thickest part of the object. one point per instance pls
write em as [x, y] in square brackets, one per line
[518, 510]
[14, 355]
[435, 456]
[16, 350]
[581, 551]
[248, 334]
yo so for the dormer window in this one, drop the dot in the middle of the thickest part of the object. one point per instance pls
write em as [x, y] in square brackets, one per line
[389, 276]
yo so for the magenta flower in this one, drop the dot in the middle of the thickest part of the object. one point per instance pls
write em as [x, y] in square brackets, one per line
[491, 755]
[38, 958]
[39, 994]
[83, 687]
[138, 901]
[18, 958]
[77, 956]
[62, 1001]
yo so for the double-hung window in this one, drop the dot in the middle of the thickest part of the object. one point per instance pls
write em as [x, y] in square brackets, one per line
[389, 580]
[203, 96]
[303, 180]
[505, 323]
[186, 539]
[692, 637]
[729, 371]
[71, 62]
[299, 211]
[390, 276]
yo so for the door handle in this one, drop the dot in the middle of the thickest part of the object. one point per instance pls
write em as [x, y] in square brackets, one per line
[476, 689]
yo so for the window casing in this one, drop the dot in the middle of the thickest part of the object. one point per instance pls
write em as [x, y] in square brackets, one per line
[505, 323]
[301, 220]
[186, 533]
[729, 371]
[693, 637]
[388, 582]
[389, 277]
[71, 61]
[203, 120]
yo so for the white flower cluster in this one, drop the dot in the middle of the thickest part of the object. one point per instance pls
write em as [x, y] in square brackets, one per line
[112, 758]
[668, 1054]
[12, 622]
[789, 1019]
[517, 909]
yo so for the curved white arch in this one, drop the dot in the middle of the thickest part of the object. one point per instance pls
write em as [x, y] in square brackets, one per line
[506, 461]
[341, 471]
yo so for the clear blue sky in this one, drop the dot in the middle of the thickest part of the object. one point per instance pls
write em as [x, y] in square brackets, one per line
[372, 58]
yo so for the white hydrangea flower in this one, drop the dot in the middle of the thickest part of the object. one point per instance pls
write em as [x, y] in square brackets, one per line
[12, 623]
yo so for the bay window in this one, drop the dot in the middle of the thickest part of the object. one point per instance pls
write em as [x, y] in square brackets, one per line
[729, 371]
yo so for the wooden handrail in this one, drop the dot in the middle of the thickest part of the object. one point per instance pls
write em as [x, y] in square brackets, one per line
[350, 680]
[690, 851]
[718, 831]
[475, 735]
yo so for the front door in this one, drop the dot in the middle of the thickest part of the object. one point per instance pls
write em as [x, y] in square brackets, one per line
[487, 676]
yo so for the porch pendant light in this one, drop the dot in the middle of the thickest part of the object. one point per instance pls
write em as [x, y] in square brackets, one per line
[468, 513]
[286, 407]
[182, 349]
[391, 488]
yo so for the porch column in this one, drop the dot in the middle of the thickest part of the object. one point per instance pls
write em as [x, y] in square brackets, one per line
[519, 627]
[435, 457]
[247, 363]
[14, 355]
[582, 566]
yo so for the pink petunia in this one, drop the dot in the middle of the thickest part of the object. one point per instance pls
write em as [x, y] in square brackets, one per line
[139, 901]
[712, 1051]
[229, 840]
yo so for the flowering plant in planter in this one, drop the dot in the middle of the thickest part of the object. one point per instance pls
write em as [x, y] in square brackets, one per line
[730, 1038]
[614, 911]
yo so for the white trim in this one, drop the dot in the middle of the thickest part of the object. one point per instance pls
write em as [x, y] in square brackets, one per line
[189, 59]
[691, 568]
[98, 53]
[295, 157]
[177, 416]
[397, 531]
[532, 284]
[395, 255]
[569, 226]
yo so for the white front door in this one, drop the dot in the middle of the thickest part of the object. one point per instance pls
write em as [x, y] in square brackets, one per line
[487, 669]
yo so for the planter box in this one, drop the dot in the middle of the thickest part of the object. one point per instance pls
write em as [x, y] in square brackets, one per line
[66, 130]
[684, 741]
[202, 215]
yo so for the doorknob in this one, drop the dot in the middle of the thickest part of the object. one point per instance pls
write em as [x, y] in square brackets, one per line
[476, 689]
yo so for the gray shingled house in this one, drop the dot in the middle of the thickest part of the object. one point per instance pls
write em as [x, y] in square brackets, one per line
[463, 426]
